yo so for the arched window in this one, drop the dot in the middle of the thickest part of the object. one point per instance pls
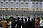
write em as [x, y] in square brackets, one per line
[26, 5]
[6, 4]
[22, 5]
[1, 4]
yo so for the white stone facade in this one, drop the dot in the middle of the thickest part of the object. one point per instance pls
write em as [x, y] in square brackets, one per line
[21, 4]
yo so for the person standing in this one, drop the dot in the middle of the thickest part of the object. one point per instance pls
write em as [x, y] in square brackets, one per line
[22, 23]
[18, 23]
[36, 23]
[4, 23]
[25, 25]
[29, 26]
[14, 22]
[10, 22]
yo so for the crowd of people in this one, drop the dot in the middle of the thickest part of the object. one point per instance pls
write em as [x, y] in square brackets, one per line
[20, 22]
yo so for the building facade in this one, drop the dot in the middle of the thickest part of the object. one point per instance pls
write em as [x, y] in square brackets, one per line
[22, 4]
[21, 7]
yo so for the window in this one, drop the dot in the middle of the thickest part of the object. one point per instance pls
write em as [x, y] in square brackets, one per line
[1, 4]
[32, 0]
[9, 0]
[33, 4]
[21, 3]
[26, 3]
[6, 2]
[36, 3]
[24, 0]
[19, 0]
[40, 5]
[14, 0]
[3, 0]
[16, 3]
